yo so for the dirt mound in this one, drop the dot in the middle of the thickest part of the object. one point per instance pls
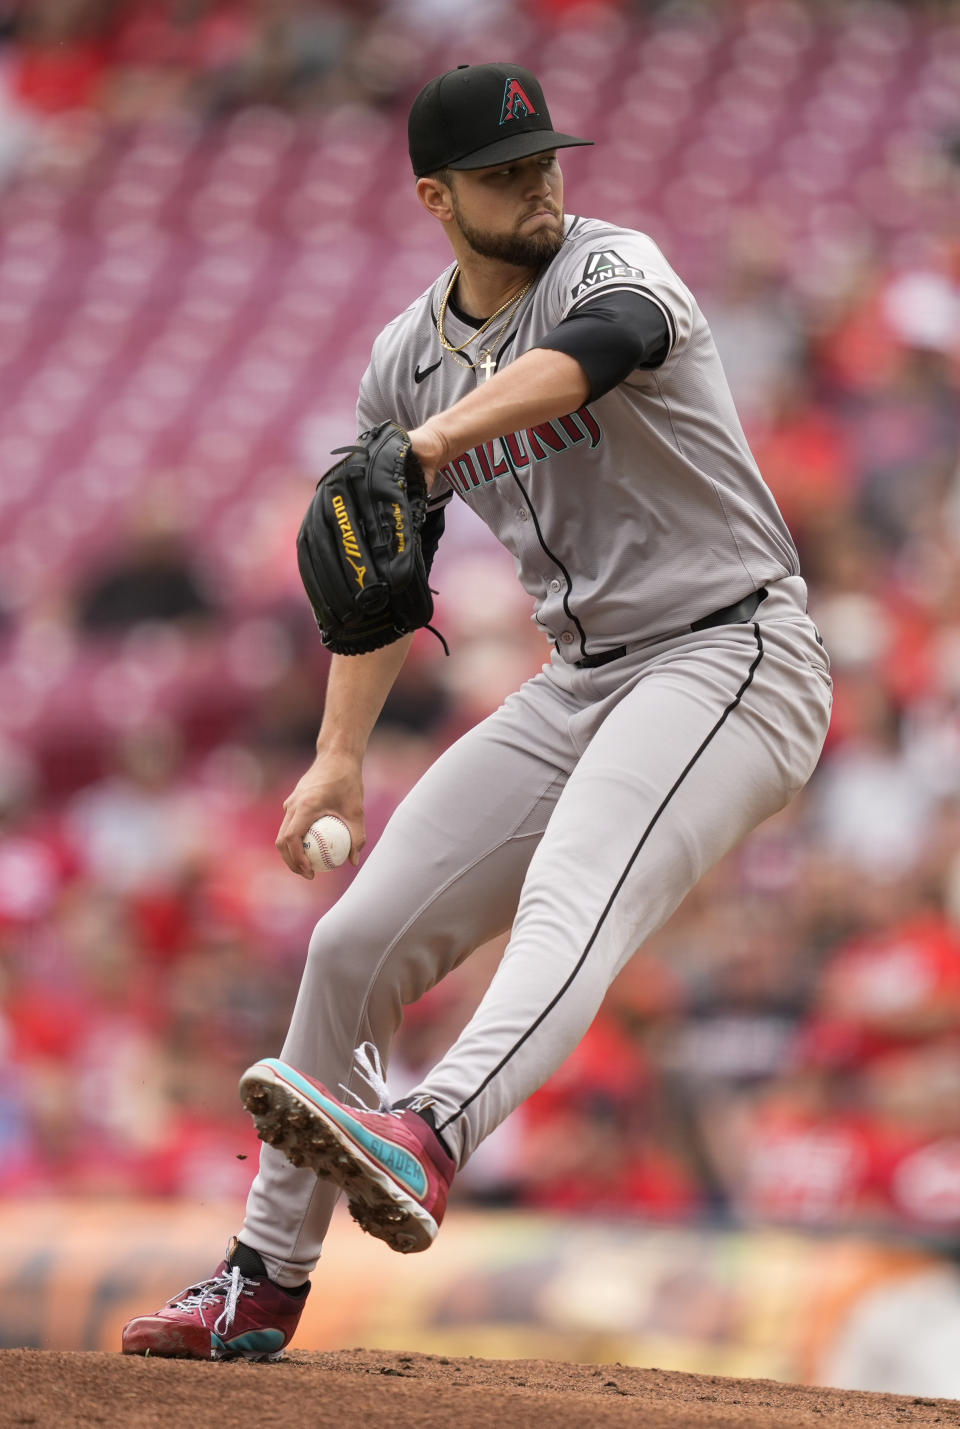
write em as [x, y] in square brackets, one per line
[347, 1388]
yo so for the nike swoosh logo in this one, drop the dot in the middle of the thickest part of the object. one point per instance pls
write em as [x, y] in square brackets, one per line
[418, 376]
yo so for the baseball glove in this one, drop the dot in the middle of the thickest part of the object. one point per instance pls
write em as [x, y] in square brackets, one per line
[359, 548]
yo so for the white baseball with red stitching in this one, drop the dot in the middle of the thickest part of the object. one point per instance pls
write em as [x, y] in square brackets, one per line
[327, 843]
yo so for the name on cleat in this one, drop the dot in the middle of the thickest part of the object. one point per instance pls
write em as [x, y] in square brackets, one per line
[394, 1158]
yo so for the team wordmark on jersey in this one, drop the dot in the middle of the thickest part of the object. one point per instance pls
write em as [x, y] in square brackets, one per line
[491, 460]
[516, 102]
[600, 267]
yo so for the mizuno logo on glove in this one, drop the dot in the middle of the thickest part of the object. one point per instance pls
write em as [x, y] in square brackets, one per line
[350, 547]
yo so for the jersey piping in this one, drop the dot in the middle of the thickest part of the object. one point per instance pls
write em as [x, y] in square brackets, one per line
[503, 347]
[728, 711]
[546, 549]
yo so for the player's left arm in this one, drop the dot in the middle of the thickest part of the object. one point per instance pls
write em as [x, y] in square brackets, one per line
[584, 356]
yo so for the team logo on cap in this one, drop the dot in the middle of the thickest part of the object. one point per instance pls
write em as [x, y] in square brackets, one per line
[516, 102]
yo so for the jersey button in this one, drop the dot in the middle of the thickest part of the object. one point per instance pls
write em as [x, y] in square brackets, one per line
[567, 637]
[523, 513]
[555, 585]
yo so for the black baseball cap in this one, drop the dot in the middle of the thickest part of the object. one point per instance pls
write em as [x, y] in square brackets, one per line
[477, 115]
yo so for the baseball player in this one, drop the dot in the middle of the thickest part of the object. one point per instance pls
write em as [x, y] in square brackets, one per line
[560, 379]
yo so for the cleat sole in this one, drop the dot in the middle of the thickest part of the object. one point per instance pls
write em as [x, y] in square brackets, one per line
[167, 1340]
[225, 1358]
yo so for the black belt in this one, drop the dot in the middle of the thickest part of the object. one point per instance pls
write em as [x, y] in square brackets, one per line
[729, 615]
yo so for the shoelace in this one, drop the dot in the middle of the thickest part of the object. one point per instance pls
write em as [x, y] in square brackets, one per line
[366, 1060]
[230, 1285]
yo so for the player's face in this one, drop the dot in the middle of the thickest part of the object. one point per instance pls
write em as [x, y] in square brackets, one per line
[511, 212]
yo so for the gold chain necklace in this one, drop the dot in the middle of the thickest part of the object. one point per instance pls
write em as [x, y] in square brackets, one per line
[509, 307]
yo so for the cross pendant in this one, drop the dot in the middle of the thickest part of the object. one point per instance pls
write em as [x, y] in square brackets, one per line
[488, 367]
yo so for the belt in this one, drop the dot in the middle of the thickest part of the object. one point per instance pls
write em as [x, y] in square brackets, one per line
[729, 615]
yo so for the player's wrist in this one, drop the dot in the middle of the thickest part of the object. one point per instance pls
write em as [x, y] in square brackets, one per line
[431, 445]
[345, 749]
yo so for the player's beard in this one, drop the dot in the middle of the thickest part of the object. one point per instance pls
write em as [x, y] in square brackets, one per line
[520, 250]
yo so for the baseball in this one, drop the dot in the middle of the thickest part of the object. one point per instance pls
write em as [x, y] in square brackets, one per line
[327, 843]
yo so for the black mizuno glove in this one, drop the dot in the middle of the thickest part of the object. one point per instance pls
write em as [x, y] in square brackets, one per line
[359, 548]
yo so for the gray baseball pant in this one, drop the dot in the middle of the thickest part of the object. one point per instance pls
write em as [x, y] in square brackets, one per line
[582, 812]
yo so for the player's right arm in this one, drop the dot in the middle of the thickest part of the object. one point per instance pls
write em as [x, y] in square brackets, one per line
[357, 689]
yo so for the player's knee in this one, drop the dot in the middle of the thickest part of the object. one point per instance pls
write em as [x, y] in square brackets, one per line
[330, 954]
[386, 974]
[341, 952]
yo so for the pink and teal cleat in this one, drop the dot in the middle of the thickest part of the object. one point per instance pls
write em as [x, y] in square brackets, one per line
[237, 1314]
[391, 1164]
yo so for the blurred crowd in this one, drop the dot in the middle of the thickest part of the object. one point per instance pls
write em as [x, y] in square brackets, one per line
[786, 1050]
[135, 59]
[130, 59]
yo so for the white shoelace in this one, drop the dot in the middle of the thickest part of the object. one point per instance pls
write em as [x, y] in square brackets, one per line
[229, 1286]
[367, 1062]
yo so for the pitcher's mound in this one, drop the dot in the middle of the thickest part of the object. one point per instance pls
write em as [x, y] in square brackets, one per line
[347, 1389]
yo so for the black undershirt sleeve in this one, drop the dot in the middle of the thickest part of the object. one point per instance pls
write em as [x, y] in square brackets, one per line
[610, 337]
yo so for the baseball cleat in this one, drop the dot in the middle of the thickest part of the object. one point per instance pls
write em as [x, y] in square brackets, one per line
[390, 1164]
[231, 1316]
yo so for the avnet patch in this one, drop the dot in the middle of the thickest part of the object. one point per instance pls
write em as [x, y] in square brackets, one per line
[600, 267]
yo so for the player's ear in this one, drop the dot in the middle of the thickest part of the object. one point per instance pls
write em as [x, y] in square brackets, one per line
[434, 193]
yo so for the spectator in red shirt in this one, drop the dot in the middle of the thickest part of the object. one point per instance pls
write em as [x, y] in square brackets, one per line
[63, 55]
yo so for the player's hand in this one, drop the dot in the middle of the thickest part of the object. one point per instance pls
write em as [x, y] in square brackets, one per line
[332, 785]
[431, 448]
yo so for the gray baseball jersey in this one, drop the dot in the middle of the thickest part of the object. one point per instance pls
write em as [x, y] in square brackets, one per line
[635, 516]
